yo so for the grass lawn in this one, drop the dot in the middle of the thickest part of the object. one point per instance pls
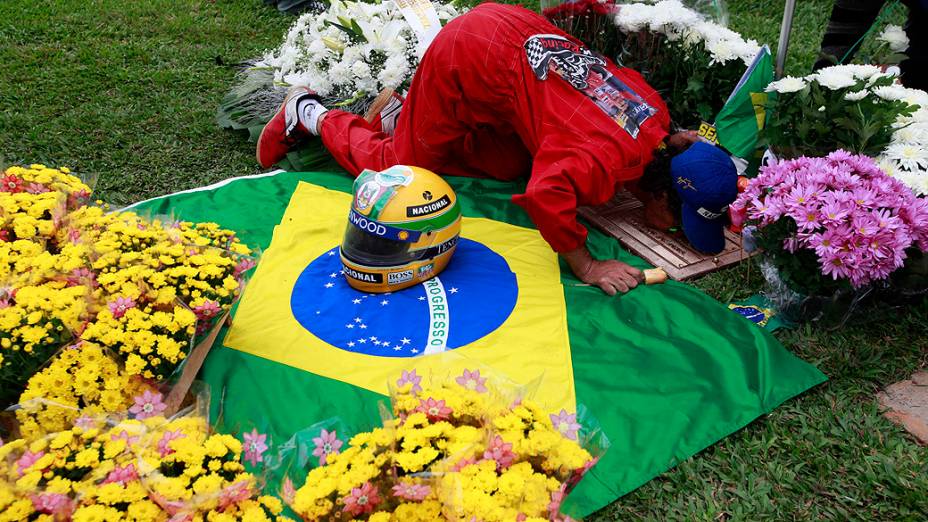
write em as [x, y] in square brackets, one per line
[128, 90]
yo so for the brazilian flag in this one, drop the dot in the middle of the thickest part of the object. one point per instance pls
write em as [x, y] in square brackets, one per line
[741, 119]
[665, 370]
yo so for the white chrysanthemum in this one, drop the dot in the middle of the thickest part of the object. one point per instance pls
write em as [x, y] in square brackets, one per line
[909, 157]
[916, 181]
[856, 95]
[896, 38]
[911, 135]
[916, 97]
[394, 72]
[890, 92]
[786, 84]
[888, 165]
[633, 17]
[721, 51]
[834, 78]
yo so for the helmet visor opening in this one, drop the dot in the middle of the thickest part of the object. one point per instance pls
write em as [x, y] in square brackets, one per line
[367, 249]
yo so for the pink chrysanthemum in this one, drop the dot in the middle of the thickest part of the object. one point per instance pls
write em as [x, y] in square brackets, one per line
[857, 220]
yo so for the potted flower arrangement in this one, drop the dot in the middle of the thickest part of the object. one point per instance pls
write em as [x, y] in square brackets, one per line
[832, 228]
[857, 108]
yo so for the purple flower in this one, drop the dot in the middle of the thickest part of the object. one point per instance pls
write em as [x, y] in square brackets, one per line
[410, 377]
[255, 446]
[472, 381]
[327, 444]
[856, 219]
[147, 405]
[566, 424]
[121, 305]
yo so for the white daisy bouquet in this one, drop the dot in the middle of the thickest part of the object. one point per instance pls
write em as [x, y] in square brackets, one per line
[693, 61]
[347, 54]
[857, 108]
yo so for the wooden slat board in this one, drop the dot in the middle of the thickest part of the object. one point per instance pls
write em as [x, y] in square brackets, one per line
[623, 219]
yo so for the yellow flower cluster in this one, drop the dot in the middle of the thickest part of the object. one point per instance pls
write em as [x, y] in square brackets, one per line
[480, 492]
[151, 470]
[81, 381]
[488, 457]
[35, 322]
[141, 288]
[152, 342]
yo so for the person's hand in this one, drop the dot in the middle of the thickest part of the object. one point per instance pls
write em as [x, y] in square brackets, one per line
[682, 139]
[611, 276]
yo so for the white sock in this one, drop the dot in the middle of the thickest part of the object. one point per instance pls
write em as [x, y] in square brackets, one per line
[309, 110]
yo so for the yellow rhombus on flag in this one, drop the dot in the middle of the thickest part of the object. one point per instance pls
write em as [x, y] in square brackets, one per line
[499, 307]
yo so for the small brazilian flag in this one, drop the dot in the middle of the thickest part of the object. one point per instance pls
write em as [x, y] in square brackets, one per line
[742, 117]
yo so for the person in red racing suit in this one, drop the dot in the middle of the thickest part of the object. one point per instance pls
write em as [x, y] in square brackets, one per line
[501, 92]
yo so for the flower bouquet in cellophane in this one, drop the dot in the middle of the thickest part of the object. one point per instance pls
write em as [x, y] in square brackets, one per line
[142, 467]
[145, 290]
[462, 448]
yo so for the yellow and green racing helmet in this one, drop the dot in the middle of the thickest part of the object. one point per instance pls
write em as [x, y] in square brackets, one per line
[402, 229]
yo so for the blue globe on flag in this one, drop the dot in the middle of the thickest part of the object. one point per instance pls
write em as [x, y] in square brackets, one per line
[471, 298]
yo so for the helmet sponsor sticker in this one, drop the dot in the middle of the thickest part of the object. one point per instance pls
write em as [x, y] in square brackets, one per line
[425, 270]
[367, 277]
[379, 229]
[395, 278]
[429, 208]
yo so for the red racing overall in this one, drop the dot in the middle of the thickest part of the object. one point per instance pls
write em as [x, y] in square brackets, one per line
[501, 92]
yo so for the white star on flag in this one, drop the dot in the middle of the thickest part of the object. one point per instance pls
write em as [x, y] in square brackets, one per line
[362, 341]
[373, 338]
[404, 340]
[356, 301]
[357, 319]
[332, 275]
[350, 344]
[363, 326]
[397, 348]
[414, 350]
[331, 253]
[384, 302]
[349, 325]
[453, 290]
[422, 298]
[329, 285]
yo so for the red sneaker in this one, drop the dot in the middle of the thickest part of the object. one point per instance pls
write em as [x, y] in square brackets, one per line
[385, 111]
[283, 131]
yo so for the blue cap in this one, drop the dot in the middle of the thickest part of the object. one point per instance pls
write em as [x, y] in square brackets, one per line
[707, 182]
